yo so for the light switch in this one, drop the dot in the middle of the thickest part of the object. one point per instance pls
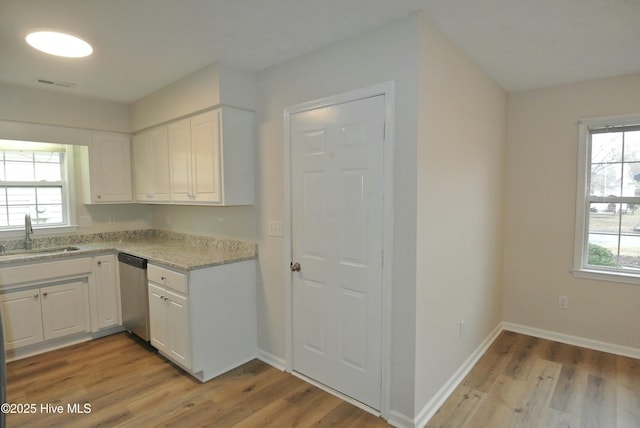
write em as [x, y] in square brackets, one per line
[275, 228]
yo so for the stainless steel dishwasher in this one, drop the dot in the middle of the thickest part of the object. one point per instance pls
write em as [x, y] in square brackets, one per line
[133, 295]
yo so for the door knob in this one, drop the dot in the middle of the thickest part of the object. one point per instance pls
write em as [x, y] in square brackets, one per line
[295, 267]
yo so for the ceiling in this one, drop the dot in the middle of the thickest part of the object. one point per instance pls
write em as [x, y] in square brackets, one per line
[143, 45]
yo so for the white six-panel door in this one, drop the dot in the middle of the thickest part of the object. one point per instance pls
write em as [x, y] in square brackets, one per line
[337, 226]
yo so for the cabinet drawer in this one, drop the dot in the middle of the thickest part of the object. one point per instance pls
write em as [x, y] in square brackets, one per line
[168, 278]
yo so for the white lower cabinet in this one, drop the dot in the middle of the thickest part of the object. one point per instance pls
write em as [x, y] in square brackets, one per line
[22, 318]
[107, 292]
[169, 317]
[45, 313]
[48, 304]
[204, 320]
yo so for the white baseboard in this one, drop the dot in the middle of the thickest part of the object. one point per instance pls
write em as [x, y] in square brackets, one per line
[63, 342]
[400, 420]
[447, 389]
[573, 340]
[272, 360]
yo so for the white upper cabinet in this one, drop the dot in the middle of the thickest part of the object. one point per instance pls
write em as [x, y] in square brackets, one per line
[106, 169]
[211, 158]
[151, 166]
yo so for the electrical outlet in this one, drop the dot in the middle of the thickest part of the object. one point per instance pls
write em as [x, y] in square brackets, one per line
[563, 302]
[112, 219]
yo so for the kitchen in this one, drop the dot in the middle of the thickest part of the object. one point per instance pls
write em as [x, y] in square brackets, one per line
[63, 289]
[153, 213]
[435, 316]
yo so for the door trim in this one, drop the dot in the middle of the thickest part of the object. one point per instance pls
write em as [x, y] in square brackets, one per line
[388, 90]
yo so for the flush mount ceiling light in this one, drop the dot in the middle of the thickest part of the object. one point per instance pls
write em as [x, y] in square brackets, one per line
[59, 44]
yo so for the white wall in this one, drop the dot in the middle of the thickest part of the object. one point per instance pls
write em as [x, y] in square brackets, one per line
[461, 169]
[37, 115]
[541, 193]
[387, 54]
[21, 104]
[206, 88]
[237, 222]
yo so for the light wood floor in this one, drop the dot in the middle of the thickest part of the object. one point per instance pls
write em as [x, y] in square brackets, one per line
[126, 385]
[522, 381]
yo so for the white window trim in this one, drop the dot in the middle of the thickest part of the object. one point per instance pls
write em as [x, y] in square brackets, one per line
[68, 194]
[580, 250]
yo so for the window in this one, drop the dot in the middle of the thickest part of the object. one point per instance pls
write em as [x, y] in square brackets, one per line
[608, 206]
[32, 181]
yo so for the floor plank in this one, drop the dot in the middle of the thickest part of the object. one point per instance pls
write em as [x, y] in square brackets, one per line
[126, 385]
[523, 381]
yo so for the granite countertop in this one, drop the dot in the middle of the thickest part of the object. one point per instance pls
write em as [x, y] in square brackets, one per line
[179, 251]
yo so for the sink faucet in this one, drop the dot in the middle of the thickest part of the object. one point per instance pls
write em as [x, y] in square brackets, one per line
[28, 230]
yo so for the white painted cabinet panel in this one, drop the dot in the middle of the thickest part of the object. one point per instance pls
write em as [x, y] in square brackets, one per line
[157, 318]
[22, 318]
[106, 169]
[211, 158]
[178, 328]
[180, 160]
[205, 164]
[64, 309]
[151, 166]
[107, 290]
[169, 324]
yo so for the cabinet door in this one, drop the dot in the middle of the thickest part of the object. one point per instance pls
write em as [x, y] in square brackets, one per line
[178, 328]
[22, 318]
[157, 317]
[110, 168]
[142, 167]
[151, 166]
[64, 309]
[205, 145]
[107, 291]
[180, 160]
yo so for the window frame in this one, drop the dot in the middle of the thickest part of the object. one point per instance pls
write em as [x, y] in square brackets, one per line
[68, 186]
[583, 198]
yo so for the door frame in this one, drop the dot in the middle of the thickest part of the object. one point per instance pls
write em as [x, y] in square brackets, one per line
[387, 89]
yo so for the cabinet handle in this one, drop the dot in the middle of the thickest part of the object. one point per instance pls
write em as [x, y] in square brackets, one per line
[44, 294]
[162, 278]
[35, 296]
[99, 196]
[99, 263]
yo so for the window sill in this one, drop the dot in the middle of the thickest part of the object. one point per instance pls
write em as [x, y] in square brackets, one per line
[625, 278]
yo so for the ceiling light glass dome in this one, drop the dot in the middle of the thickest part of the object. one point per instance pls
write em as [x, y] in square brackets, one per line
[59, 44]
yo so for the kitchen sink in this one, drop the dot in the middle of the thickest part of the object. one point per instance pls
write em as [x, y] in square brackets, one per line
[39, 251]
